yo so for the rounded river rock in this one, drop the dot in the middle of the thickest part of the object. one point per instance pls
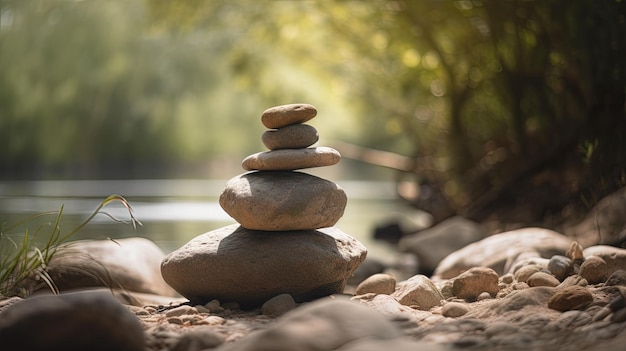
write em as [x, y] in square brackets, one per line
[283, 201]
[284, 115]
[295, 136]
[290, 159]
[250, 267]
[85, 320]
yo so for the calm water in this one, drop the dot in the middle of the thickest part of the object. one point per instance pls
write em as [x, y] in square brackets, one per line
[175, 211]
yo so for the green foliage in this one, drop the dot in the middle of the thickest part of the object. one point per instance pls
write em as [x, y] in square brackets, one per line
[25, 255]
[91, 86]
[496, 100]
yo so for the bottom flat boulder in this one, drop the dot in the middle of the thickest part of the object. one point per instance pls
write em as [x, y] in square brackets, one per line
[250, 267]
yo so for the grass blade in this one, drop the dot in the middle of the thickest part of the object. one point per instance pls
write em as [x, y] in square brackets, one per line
[24, 259]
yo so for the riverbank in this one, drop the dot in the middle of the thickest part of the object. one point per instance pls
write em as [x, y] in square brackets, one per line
[524, 304]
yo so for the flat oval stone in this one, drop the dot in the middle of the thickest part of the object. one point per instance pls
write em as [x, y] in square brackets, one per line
[283, 201]
[296, 136]
[284, 115]
[250, 267]
[570, 298]
[290, 159]
[543, 279]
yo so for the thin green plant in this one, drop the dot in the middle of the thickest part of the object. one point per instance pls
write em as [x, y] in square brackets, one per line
[24, 259]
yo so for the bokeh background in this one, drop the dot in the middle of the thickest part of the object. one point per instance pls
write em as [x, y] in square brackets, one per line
[505, 111]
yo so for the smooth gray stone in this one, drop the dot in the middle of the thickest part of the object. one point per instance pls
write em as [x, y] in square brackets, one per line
[296, 136]
[283, 201]
[130, 263]
[250, 267]
[284, 115]
[291, 159]
[74, 321]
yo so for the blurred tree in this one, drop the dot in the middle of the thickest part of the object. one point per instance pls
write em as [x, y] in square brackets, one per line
[90, 88]
[512, 109]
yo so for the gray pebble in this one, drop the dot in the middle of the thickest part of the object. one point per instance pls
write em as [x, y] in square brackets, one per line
[278, 305]
[295, 136]
[560, 266]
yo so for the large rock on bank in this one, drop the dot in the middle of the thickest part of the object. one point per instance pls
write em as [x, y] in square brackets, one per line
[499, 251]
[131, 264]
[433, 244]
[250, 267]
[605, 224]
[283, 200]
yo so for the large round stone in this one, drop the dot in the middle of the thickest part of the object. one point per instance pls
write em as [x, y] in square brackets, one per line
[131, 264]
[250, 267]
[290, 159]
[295, 136]
[86, 320]
[284, 115]
[499, 251]
[283, 201]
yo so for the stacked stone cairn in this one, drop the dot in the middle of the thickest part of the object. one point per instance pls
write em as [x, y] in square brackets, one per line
[285, 242]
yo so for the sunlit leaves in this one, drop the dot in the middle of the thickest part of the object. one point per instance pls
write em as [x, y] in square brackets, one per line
[161, 80]
[411, 58]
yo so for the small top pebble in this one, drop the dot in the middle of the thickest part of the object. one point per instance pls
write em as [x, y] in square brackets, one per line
[284, 115]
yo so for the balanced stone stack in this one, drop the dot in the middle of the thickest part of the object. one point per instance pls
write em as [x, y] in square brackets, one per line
[285, 241]
[273, 196]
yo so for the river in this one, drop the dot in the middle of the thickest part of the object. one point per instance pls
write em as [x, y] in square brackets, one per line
[174, 211]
